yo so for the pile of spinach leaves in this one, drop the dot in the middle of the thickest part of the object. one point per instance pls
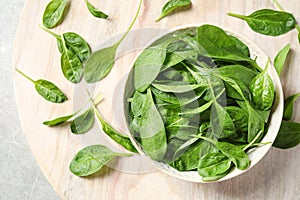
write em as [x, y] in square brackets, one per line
[200, 102]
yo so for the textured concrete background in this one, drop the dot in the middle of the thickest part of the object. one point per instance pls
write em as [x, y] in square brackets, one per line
[20, 177]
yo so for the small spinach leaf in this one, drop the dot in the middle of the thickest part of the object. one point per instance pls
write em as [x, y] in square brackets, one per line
[54, 13]
[173, 5]
[91, 159]
[289, 106]
[58, 121]
[94, 11]
[281, 58]
[46, 89]
[83, 123]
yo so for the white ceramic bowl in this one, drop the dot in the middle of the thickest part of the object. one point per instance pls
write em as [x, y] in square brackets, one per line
[256, 154]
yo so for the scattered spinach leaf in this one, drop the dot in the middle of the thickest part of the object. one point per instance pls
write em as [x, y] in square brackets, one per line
[94, 11]
[54, 13]
[83, 123]
[280, 58]
[289, 106]
[173, 5]
[288, 135]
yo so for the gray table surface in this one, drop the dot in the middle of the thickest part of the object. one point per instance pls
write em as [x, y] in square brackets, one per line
[20, 176]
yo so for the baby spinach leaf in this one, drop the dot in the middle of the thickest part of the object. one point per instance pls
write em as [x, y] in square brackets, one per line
[213, 164]
[288, 135]
[94, 11]
[281, 58]
[138, 103]
[91, 159]
[269, 22]
[58, 121]
[165, 96]
[54, 13]
[241, 46]
[152, 130]
[289, 106]
[215, 43]
[101, 62]
[71, 65]
[298, 29]
[46, 89]
[262, 89]
[83, 123]
[256, 123]
[173, 5]
[235, 154]
[176, 86]
[121, 139]
[197, 110]
[239, 118]
[73, 42]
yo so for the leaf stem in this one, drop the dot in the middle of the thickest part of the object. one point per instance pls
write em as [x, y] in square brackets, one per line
[237, 15]
[278, 5]
[24, 75]
[205, 138]
[131, 25]
[253, 141]
[50, 32]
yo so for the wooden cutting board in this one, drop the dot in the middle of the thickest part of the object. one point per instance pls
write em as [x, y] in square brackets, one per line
[277, 176]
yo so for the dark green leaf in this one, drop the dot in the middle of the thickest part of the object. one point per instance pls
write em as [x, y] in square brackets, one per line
[213, 164]
[281, 58]
[91, 159]
[241, 46]
[262, 89]
[152, 130]
[269, 22]
[83, 123]
[121, 139]
[288, 135]
[289, 106]
[235, 154]
[94, 11]
[239, 118]
[54, 13]
[173, 5]
[256, 123]
[71, 66]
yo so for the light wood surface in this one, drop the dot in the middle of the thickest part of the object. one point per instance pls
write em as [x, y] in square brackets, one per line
[277, 176]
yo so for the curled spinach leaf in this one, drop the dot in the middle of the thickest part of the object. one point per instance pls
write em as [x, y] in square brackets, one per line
[289, 106]
[58, 121]
[94, 11]
[280, 58]
[173, 5]
[91, 159]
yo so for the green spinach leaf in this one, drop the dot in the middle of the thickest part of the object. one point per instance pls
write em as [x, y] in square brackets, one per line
[288, 135]
[173, 5]
[289, 106]
[83, 123]
[94, 11]
[281, 58]
[54, 13]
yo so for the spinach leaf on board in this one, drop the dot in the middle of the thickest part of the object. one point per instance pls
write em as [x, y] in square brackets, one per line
[70, 64]
[152, 130]
[58, 121]
[73, 42]
[289, 106]
[288, 135]
[173, 5]
[46, 89]
[94, 11]
[262, 89]
[54, 13]
[121, 139]
[101, 62]
[91, 159]
[280, 58]
[83, 123]
[269, 22]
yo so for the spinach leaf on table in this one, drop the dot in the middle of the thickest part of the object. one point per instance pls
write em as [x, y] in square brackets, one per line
[173, 5]
[102, 61]
[54, 13]
[94, 11]
[280, 58]
[288, 135]
[269, 22]
[58, 121]
[91, 159]
[289, 106]
[46, 89]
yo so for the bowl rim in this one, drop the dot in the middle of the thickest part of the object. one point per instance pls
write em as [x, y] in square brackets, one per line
[273, 126]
